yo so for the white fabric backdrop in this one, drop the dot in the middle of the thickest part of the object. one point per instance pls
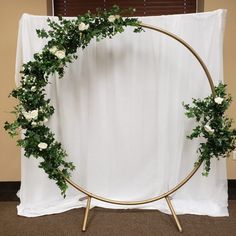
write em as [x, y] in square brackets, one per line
[119, 116]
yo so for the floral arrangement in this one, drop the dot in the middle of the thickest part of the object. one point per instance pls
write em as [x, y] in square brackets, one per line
[34, 110]
[213, 126]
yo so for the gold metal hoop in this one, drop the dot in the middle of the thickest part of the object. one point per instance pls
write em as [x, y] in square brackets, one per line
[182, 182]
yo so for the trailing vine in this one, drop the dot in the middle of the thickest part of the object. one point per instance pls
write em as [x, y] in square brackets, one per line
[213, 126]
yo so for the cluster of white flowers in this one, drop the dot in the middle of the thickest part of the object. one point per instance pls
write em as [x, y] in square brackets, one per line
[31, 115]
[45, 120]
[218, 100]
[42, 145]
[58, 53]
[112, 18]
[29, 80]
[83, 26]
[207, 127]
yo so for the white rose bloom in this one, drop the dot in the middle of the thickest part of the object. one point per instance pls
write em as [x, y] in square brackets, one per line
[218, 100]
[83, 26]
[53, 49]
[34, 123]
[26, 115]
[209, 129]
[111, 18]
[60, 54]
[42, 145]
[117, 17]
[34, 114]
[30, 115]
[33, 89]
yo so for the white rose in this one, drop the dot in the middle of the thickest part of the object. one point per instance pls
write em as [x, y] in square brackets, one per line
[42, 145]
[117, 17]
[53, 49]
[83, 26]
[30, 114]
[218, 100]
[209, 129]
[60, 54]
[34, 114]
[33, 89]
[111, 18]
[34, 123]
[26, 115]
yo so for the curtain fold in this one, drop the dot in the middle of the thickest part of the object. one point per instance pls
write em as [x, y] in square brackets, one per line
[119, 115]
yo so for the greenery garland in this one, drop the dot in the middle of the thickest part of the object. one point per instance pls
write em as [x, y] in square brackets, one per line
[34, 110]
[213, 126]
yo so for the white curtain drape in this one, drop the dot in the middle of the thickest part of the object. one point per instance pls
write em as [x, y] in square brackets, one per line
[119, 115]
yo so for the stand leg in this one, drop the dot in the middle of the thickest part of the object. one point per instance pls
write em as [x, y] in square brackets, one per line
[86, 214]
[173, 213]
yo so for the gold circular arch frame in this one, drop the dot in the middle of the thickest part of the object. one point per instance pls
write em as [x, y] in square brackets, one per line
[167, 194]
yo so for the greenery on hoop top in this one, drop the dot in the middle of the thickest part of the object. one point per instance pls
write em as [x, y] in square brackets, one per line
[34, 109]
[213, 126]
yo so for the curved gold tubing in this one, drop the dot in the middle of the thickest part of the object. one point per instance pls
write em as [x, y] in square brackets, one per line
[134, 202]
[189, 176]
[204, 67]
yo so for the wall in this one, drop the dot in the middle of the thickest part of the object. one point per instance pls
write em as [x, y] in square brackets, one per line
[229, 60]
[10, 13]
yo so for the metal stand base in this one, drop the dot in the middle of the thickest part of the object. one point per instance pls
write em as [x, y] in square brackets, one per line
[84, 227]
[86, 214]
[173, 213]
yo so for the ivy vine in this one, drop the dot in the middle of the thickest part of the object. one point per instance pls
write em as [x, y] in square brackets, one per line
[213, 126]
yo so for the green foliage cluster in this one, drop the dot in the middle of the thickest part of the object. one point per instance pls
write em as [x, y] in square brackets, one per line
[213, 126]
[33, 111]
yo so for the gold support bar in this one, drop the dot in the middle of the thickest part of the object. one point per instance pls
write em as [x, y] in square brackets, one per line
[86, 214]
[173, 213]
